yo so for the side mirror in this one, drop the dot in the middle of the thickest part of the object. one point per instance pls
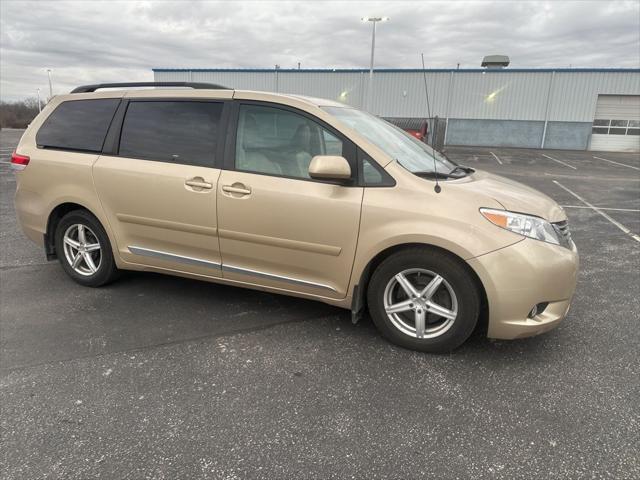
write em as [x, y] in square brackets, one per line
[329, 167]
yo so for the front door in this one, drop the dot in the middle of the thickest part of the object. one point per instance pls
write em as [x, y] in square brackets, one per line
[159, 190]
[278, 227]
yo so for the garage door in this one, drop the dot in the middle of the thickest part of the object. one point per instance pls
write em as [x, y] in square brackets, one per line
[616, 126]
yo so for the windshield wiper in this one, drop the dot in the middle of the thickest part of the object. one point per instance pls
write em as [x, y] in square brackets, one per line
[432, 174]
[461, 168]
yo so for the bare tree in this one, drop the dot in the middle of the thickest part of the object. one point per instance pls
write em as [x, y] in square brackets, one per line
[18, 114]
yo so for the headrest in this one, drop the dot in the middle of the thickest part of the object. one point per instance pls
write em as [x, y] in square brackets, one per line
[250, 132]
[302, 137]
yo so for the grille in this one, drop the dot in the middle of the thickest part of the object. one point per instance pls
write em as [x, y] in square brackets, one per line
[562, 228]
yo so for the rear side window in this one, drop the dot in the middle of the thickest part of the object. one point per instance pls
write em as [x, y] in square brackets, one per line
[79, 125]
[178, 131]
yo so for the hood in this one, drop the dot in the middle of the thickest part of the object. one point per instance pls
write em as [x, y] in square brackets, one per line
[514, 196]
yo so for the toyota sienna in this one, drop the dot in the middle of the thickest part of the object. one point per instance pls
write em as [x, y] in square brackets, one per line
[292, 195]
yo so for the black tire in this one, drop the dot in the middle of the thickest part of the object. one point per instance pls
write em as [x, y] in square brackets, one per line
[450, 269]
[106, 269]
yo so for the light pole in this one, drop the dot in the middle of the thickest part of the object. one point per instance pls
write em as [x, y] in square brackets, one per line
[50, 87]
[39, 103]
[373, 20]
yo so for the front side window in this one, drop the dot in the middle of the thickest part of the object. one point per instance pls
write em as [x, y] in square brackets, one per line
[78, 125]
[280, 142]
[371, 175]
[171, 131]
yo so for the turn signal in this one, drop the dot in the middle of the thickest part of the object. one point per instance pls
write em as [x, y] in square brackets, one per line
[496, 218]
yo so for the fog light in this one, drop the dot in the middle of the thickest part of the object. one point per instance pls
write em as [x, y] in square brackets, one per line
[538, 309]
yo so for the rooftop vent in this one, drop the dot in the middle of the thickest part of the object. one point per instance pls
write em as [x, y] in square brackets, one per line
[495, 61]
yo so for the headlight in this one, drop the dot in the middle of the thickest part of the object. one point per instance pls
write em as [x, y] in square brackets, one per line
[526, 225]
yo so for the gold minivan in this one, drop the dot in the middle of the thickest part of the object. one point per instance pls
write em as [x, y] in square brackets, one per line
[292, 195]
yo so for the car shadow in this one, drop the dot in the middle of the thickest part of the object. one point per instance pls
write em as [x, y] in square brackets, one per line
[143, 310]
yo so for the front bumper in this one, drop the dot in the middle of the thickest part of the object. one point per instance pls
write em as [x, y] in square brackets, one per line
[518, 277]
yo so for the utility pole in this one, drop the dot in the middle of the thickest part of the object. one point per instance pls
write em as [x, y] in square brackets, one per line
[373, 20]
[50, 86]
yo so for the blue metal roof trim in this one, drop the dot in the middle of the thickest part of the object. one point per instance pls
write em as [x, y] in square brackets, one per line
[399, 70]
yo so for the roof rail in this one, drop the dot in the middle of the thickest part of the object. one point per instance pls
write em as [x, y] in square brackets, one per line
[196, 85]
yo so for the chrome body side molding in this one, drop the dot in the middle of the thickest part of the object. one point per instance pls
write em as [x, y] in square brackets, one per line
[172, 257]
[271, 276]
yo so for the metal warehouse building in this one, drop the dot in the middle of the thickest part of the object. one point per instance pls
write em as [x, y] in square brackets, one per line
[597, 109]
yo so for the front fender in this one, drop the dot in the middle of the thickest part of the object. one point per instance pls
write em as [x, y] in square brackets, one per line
[392, 217]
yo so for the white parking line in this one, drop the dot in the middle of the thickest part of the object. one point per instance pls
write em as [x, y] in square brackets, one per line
[617, 163]
[604, 208]
[559, 161]
[598, 210]
[589, 177]
[496, 157]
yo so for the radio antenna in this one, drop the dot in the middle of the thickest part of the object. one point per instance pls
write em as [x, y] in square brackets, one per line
[437, 188]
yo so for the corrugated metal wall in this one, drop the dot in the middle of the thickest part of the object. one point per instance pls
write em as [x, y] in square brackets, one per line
[462, 94]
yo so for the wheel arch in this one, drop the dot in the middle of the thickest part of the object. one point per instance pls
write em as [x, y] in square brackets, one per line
[358, 304]
[53, 220]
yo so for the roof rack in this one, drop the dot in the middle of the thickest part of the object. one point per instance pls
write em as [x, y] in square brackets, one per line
[195, 85]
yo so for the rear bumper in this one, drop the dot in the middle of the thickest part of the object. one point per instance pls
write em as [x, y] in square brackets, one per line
[518, 277]
[29, 211]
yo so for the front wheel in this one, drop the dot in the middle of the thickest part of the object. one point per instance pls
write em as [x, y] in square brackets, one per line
[84, 250]
[424, 300]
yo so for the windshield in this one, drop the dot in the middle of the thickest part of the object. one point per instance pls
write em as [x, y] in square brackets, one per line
[411, 153]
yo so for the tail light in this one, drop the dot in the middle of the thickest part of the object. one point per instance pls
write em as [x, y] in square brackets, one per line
[19, 162]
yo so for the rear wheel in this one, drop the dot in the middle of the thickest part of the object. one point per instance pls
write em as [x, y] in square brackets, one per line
[84, 250]
[424, 299]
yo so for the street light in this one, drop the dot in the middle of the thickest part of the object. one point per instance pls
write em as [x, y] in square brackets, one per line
[373, 20]
[50, 87]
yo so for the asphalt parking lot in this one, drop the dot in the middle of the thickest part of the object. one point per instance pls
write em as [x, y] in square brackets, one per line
[162, 377]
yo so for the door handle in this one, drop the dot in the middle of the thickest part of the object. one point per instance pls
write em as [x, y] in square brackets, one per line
[198, 183]
[237, 188]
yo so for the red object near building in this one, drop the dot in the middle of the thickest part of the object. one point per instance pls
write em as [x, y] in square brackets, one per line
[416, 133]
[414, 126]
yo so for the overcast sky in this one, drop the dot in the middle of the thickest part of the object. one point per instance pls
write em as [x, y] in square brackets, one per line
[93, 41]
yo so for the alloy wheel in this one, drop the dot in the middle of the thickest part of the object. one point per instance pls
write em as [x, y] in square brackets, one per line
[420, 303]
[82, 249]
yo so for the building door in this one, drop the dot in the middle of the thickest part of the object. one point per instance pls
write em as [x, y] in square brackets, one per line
[616, 126]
